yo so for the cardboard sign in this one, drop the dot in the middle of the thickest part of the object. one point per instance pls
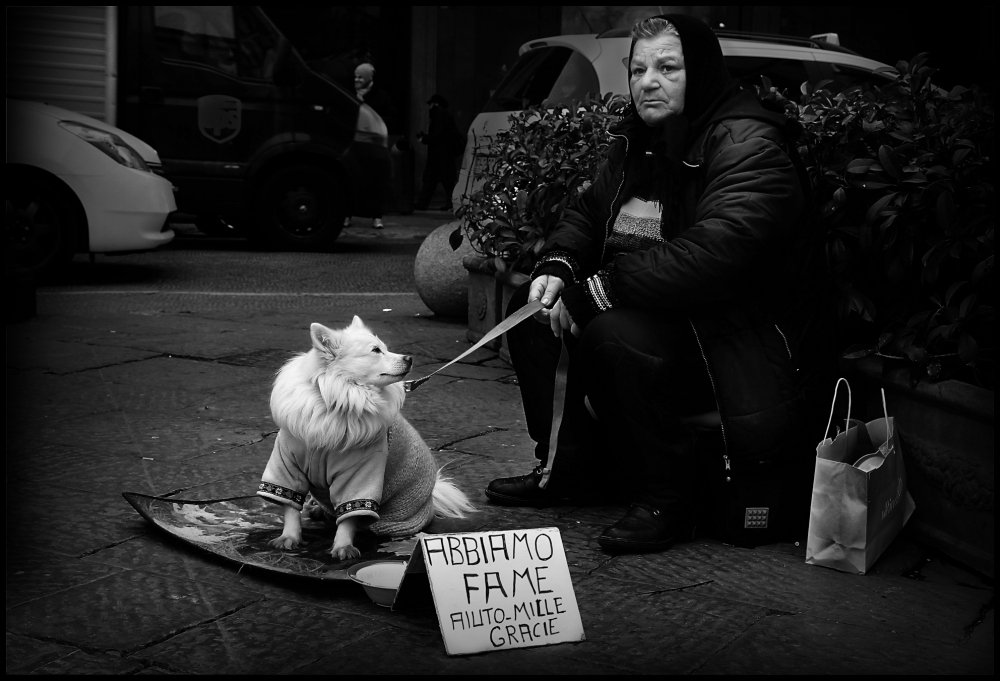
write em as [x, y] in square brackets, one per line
[494, 590]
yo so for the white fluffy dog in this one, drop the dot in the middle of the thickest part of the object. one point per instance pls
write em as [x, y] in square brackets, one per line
[343, 440]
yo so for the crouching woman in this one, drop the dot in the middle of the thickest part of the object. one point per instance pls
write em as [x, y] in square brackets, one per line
[660, 277]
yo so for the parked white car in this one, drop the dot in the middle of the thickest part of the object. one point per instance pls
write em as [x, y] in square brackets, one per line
[78, 185]
[562, 69]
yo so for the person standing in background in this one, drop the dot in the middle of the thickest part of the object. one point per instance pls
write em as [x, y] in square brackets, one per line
[377, 99]
[444, 143]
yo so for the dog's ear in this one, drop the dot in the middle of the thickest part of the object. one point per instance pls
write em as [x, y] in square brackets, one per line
[356, 323]
[324, 339]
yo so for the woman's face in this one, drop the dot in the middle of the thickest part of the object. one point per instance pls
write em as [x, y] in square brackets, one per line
[657, 78]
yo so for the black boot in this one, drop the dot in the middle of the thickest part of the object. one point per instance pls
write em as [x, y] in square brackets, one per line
[645, 528]
[522, 490]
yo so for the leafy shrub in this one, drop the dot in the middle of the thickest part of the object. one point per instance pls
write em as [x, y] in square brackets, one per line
[546, 157]
[903, 176]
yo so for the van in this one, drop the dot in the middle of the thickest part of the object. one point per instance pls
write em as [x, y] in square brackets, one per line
[562, 69]
[247, 132]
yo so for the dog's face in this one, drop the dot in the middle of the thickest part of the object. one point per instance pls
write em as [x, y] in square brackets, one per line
[356, 353]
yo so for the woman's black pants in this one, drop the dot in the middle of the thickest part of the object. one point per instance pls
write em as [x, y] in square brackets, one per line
[641, 372]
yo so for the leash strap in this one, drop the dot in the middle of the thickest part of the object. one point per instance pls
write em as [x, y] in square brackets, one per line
[531, 308]
[558, 407]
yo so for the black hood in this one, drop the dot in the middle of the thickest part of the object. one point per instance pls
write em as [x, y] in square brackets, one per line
[711, 94]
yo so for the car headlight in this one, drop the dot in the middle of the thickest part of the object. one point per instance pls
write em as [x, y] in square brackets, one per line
[108, 142]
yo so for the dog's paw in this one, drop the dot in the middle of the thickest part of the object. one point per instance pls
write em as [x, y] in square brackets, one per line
[285, 542]
[345, 552]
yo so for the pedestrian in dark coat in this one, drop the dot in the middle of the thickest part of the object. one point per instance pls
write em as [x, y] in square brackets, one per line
[444, 143]
[660, 277]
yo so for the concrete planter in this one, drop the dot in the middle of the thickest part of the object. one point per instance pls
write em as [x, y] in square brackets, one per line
[509, 282]
[439, 275]
[489, 294]
[946, 430]
[484, 299]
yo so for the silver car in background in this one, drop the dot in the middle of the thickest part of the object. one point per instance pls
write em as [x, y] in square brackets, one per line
[562, 69]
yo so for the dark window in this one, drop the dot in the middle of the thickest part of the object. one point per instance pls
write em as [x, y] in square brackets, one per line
[785, 74]
[228, 39]
[258, 43]
[845, 77]
[554, 75]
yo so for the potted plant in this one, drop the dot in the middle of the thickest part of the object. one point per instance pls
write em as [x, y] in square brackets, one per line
[547, 156]
[903, 179]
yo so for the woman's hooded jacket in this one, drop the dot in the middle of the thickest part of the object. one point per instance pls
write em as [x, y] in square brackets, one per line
[732, 202]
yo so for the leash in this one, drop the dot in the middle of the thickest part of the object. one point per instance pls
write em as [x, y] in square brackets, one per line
[559, 392]
[558, 406]
[531, 308]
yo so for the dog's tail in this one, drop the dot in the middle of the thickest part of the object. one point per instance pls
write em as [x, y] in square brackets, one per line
[449, 500]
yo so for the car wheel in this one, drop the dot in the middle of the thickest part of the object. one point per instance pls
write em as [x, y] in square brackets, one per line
[301, 208]
[41, 228]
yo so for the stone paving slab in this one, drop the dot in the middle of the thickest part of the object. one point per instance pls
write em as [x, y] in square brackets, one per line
[30, 656]
[32, 574]
[785, 583]
[153, 435]
[67, 521]
[425, 656]
[186, 337]
[65, 357]
[43, 399]
[514, 445]
[40, 461]
[124, 612]
[247, 403]
[463, 408]
[240, 485]
[801, 644]
[175, 374]
[269, 637]
[149, 477]
[108, 328]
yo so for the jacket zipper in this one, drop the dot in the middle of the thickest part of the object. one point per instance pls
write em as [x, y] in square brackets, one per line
[607, 224]
[607, 234]
[715, 394]
[782, 334]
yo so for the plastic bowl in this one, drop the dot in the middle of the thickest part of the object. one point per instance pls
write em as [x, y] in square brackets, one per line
[869, 462]
[380, 578]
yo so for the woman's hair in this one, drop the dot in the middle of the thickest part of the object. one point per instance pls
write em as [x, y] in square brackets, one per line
[653, 28]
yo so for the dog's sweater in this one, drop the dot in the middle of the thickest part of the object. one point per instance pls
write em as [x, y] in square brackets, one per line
[391, 480]
[410, 476]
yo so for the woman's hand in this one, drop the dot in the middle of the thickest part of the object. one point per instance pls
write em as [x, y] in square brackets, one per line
[547, 288]
[560, 320]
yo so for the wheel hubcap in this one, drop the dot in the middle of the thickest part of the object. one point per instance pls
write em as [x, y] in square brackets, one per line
[302, 212]
[32, 237]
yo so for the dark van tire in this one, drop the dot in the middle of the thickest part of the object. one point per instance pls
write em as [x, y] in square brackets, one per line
[300, 208]
[42, 227]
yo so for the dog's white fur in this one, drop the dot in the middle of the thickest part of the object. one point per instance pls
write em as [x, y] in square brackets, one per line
[343, 394]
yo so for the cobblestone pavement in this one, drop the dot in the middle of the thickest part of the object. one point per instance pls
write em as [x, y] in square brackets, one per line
[111, 388]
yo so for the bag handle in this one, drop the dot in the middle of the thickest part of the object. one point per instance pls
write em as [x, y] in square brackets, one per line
[847, 423]
[885, 410]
